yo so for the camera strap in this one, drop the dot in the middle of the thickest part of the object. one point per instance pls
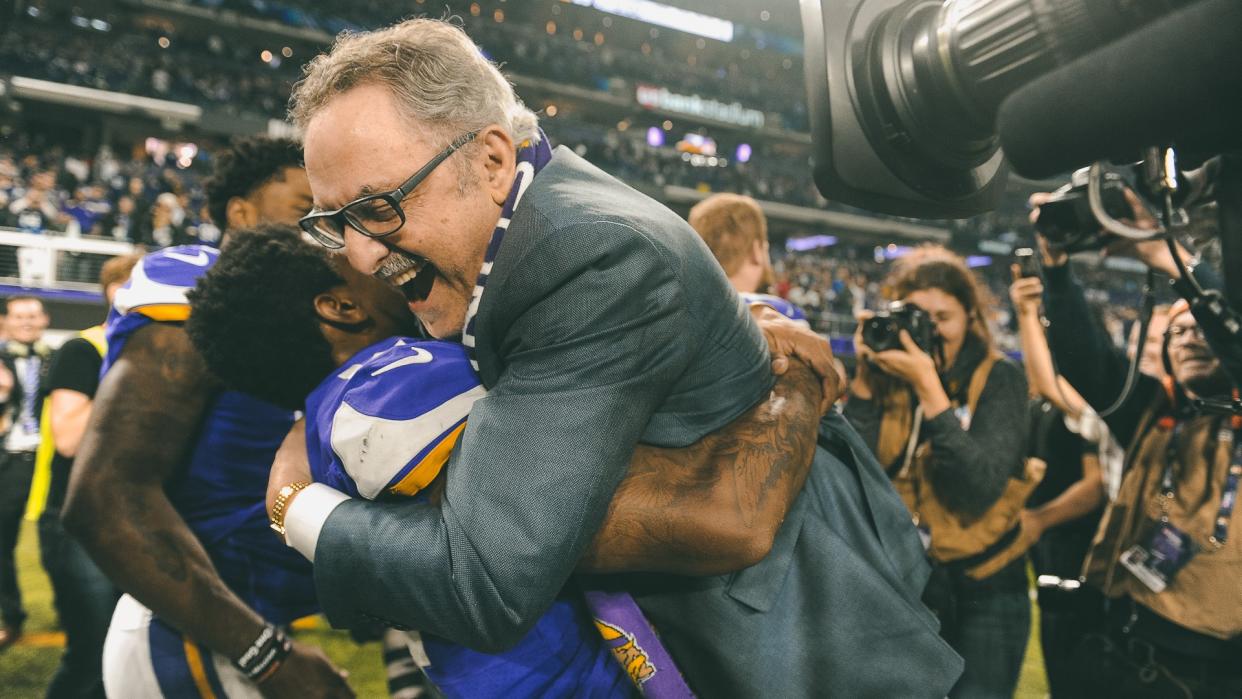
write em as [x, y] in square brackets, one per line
[1229, 492]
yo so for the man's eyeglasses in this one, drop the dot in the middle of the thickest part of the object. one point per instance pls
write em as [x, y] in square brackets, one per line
[1185, 332]
[373, 215]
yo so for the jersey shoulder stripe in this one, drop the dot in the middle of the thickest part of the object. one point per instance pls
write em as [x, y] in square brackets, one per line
[388, 421]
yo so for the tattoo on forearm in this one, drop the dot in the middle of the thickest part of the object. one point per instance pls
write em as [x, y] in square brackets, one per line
[746, 475]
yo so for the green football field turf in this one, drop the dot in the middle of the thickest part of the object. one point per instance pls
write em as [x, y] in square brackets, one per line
[26, 668]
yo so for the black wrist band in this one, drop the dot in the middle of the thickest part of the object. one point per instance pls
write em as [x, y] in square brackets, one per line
[265, 654]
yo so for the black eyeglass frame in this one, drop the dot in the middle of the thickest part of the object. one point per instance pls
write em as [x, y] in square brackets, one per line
[342, 217]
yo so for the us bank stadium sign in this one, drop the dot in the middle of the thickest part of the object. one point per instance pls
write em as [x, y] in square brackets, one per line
[660, 98]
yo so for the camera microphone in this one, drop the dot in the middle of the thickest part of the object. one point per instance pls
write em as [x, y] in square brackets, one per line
[1173, 82]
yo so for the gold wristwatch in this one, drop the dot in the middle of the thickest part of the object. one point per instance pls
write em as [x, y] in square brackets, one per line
[282, 499]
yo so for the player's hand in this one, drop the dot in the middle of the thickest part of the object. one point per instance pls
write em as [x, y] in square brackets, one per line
[789, 339]
[290, 465]
[308, 673]
[1026, 293]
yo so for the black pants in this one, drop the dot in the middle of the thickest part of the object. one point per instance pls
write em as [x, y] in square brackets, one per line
[16, 471]
[987, 622]
[1065, 618]
[84, 599]
[1150, 661]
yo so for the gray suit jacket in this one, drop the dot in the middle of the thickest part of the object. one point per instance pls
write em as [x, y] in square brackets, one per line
[606, 322]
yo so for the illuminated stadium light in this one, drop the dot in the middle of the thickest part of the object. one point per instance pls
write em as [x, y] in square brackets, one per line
[810, 242]
[665, 16]
[655, 137]
[286, 52]
[697, 143]
[744, 151]
[498, 16]
[100, 25]
[265, 56]
[164, 42]
[552, 110]
[550, 27]
[668, 125]
[974, 261]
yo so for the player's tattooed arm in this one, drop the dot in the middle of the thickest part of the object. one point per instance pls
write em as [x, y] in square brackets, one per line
[145, 418]
[715, 506]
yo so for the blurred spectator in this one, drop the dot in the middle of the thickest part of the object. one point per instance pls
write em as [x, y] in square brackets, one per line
[736, 231]
[166, 225]
[121, 221]
[24, 357]
[34, 211]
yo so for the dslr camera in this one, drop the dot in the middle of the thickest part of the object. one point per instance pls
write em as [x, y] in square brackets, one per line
[882, 331]
[1066, 220]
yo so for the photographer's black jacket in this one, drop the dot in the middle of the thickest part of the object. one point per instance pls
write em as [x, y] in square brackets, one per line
[1088, 359]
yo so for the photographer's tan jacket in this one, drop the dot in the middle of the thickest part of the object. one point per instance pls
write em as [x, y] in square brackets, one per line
[1206, 595]
[982, 545]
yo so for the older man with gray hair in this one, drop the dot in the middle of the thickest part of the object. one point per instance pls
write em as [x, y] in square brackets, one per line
[597, 320]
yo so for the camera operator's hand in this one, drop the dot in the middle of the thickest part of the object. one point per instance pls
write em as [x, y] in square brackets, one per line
[1026, 293]
[1050, 256]
[1154, 252]
[917, 368]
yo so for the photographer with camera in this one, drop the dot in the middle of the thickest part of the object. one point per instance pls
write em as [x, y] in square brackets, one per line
[946, 415]
[1168, 554]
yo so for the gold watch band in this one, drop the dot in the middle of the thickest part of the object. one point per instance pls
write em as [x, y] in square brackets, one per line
[282, 500]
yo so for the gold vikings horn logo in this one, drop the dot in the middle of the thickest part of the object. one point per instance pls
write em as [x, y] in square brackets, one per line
[627, 651]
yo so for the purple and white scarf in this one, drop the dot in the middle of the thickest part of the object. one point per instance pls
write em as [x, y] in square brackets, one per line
[531, 157]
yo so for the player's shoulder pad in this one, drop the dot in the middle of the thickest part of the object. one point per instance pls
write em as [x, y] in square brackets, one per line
[158, 285]
[782, 306]
[396, 415]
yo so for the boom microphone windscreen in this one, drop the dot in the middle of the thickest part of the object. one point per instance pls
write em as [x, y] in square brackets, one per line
[1177, 81]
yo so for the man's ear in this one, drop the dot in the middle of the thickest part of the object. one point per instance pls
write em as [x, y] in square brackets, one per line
[499, 162]
[239, 214]
[759, 252]
[336, 307]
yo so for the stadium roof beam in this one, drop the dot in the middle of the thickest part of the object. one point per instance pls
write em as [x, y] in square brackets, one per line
[838, 220]
[103, 100]
[228, 17]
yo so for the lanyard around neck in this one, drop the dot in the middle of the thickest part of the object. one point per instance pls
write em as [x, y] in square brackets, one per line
[1229, 493]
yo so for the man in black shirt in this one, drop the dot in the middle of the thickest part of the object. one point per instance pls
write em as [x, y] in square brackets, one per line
[84, 596]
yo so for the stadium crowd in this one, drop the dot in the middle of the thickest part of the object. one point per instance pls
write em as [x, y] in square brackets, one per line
[146, 199]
